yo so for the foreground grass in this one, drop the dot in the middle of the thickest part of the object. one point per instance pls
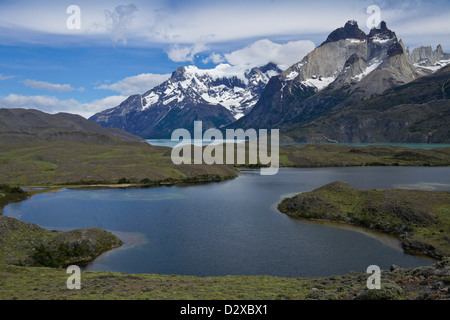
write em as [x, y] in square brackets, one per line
[26, 283]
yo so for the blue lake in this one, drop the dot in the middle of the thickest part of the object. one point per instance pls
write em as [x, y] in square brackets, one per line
[232, 227]
[425, 146]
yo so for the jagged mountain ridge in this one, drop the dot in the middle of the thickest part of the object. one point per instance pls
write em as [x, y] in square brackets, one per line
[217, 97]
[427, 59]
[348, 72]
[348, 68]
[416, 112]
[349, 65]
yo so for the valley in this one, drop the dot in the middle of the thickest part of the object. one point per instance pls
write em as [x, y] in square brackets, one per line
[95, 192]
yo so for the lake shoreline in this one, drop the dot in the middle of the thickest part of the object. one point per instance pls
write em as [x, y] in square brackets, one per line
[313, 294]
[410, 249]
[410, 215]
[134, 170]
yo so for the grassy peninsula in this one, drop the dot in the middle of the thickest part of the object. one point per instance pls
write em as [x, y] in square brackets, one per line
[420, 219]
[26, 244]
[11, 194]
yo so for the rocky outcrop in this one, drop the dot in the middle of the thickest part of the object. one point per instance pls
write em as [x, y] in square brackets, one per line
[427, 57]
[349, 31]
[422, 283]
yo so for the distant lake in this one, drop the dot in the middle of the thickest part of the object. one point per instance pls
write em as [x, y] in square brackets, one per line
[171, 144]
[232, 227]
[426, 146]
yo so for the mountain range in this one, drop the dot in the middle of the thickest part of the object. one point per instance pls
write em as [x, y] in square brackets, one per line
[354, 87]
[217, 97]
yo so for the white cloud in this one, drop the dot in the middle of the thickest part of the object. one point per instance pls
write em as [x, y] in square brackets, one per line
[181, 24]
[437, 25]
[147, 23]
[52, 105]
[256, 54]
[44, 103]
[214, 58]
[3, 77]
[102, 104]
[119, 21]
[136, 84]
[42, 85]
[224, 21]
[265, 51]
[184, 53]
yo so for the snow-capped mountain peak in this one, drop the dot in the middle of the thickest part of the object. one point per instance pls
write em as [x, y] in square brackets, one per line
[347, 57]
[229, 90]
[235, 88]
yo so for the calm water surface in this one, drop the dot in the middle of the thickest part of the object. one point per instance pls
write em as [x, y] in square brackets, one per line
[231, 227]
[425, 146]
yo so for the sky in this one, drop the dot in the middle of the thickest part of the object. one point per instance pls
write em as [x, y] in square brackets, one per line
[83, 57]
